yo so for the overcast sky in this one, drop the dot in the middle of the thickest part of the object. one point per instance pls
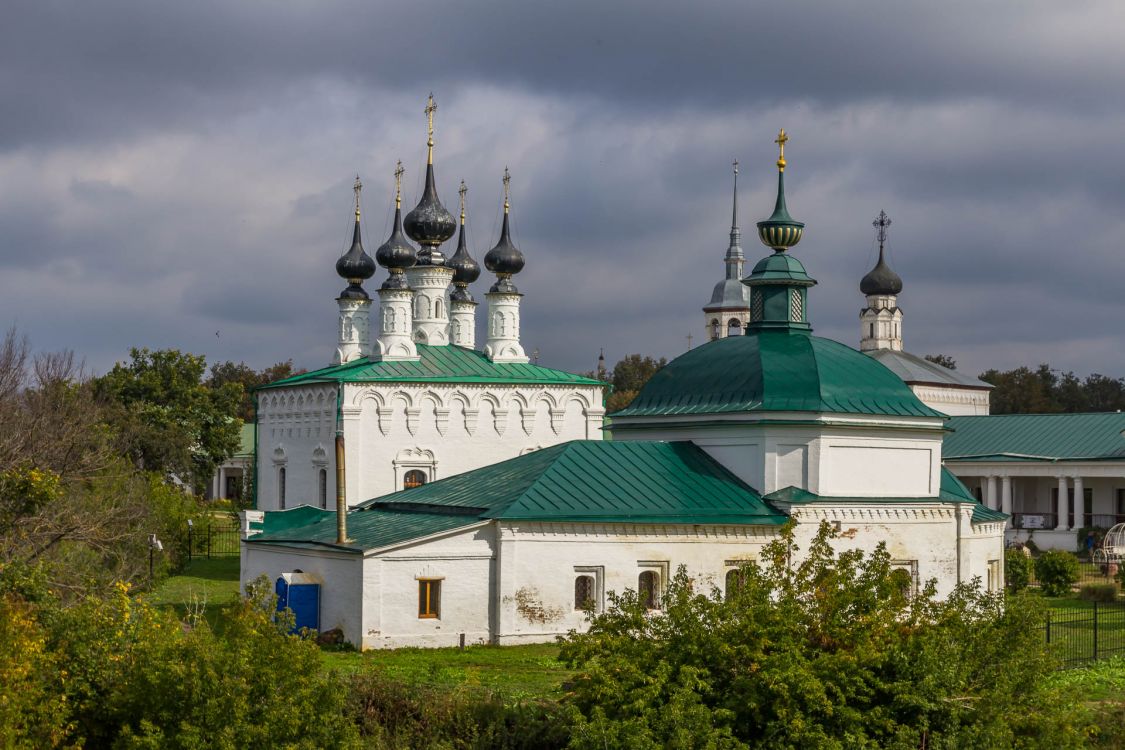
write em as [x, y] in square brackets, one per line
[179, 174]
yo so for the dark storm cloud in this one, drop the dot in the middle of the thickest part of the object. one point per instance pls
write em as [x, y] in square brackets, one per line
[173, 171]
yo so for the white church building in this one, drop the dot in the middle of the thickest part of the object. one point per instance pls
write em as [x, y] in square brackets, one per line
[521, 517]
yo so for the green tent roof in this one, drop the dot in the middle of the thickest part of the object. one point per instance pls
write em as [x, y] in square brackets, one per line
[580, 481]
[437, 364]
[951, 491]
[775, 370]
[1036, 437]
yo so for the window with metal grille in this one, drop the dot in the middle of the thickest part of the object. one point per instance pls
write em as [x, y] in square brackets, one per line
[414, 478]
[796, 306]
[584, 592]
[323, 487]
[757, 304]
[429, 598]
[648, 589]
[281, 488]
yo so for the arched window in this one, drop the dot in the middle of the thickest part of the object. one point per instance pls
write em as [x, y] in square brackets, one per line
[323, 486]
[414, 478]
[734, 327]
[648, 589]
[281, 488]
[437, 307]
[715, 330]
[584, 592]
[421, 307]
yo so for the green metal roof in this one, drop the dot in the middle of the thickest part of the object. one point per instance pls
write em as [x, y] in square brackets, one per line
[290, 518]
[370, 529]
[779, 267]
[1036, 437]
[950, 491]
[595, 480]
[775, 370]
[437, 364]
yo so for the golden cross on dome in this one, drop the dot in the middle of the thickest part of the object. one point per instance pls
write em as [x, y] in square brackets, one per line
[507, 188]
[781, 140]
[431, 107]
[399, 171]
[357, 187]
[461, 191]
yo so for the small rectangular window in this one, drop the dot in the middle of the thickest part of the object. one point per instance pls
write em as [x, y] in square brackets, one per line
[429, 598]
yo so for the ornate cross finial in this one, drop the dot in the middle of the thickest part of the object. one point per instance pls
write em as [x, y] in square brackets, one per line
[431, 107]
[399, 171]
[507, 189]
[357, 187]
[881, 225]
[689, 338]
[461, 191]
[781, 140]
[736, 167]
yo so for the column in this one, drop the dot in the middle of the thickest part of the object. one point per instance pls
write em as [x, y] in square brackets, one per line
[1063, 523]
[1079, 503]
[991, 499]
[1006, 494]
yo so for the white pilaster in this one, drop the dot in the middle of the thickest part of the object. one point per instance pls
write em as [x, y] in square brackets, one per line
[1006, 494]
[431, 303]
[354, 334]
[1079, 503]
[396, 325]
[1063, 505]
[463, 323]
[504, 328]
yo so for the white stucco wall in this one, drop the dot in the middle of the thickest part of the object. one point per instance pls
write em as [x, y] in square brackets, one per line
[828, 455]
[341, 601]
[441, 429]
[951, 400]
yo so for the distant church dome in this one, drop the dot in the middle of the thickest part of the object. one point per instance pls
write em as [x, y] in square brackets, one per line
[881, 280]
[505, 259]
[465, 269]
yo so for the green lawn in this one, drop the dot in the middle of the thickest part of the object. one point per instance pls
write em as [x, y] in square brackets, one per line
[204, 585]
[512, 671]
[1072, 628]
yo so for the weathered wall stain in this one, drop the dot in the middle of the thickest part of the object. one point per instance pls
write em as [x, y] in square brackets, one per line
[531, 608]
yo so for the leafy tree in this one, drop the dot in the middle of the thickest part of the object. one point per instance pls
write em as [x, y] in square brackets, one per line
[942, 359]
[830, 652]
[173, 423]
[1017, 569]
[629, 376]
[248, 378]
[1023, 390]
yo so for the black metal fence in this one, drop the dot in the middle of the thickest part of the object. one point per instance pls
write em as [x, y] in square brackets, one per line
[1085, 634]
[211, 542]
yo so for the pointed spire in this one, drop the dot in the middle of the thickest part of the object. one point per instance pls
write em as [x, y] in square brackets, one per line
[881, 280]
[735, 260]
[355, 265]
[429, 224]
[780, 231]
[465, 269]
[396, 254]
[504, 259]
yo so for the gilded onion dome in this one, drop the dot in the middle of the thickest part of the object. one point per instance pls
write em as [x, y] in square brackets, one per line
[430, 224]
[355, 265]
[504, 259]
[780, 231]
[881, 280]
[396, 254]
[465, 269]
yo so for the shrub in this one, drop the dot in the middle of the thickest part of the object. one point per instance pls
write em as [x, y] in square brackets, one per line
[1017, 569]
[1056, 572]
[1098, 592]
[824, 653]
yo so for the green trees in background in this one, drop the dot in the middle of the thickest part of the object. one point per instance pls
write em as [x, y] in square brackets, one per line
[223, 373]
[169, 420]
[1017, 569]
[1046, 391]
[628, 377]
[1056, 572]
[833, 652]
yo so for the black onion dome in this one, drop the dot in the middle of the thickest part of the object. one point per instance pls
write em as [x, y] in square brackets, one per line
[396, 254]
[881, 279]
[355, 263]
[505, 259]
[429, 223]
[465, 269]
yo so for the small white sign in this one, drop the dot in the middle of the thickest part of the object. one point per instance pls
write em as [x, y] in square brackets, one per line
[1033, 522]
